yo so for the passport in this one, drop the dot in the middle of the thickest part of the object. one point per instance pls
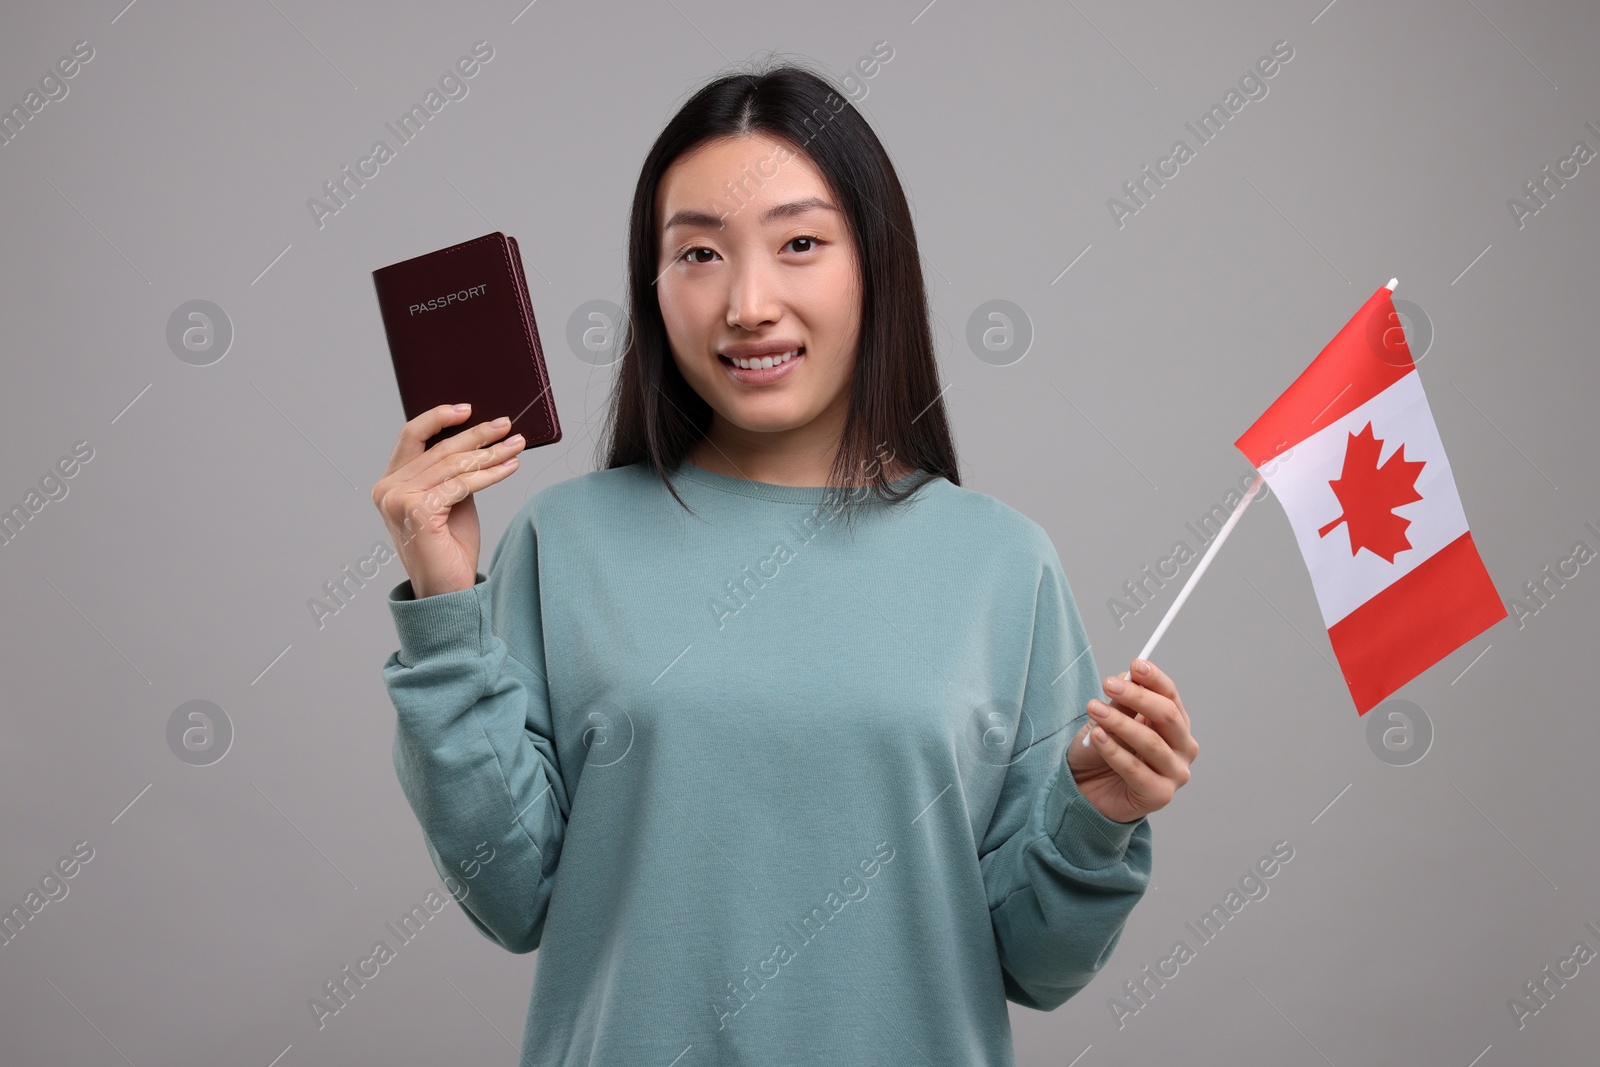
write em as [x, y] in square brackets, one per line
[460, 328]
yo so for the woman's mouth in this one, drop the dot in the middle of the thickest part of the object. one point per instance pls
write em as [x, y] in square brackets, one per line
[763, 369]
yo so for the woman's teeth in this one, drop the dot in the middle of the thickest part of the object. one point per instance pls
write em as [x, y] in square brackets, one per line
[765, 361]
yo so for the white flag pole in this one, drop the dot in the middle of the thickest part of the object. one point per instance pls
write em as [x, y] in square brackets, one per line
[1205, 561]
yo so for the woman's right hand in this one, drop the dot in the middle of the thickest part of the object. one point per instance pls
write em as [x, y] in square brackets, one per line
[425, 496]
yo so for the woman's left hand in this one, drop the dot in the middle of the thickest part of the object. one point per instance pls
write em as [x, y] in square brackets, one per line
[1142, 747]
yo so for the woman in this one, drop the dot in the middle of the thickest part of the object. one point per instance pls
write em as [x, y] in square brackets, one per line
[763, 786]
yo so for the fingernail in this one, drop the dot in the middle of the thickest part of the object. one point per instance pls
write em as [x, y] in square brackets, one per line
[1097, 709]
[463, 407]
[1114, 685]
[1142, 666]
[501, 421]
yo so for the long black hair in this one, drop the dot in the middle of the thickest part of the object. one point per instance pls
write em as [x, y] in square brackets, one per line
[896, 408]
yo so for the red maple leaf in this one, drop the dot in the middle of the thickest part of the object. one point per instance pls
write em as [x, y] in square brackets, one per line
[1369, 493]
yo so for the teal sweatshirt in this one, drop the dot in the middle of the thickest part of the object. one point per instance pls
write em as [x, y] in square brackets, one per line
[761, 788]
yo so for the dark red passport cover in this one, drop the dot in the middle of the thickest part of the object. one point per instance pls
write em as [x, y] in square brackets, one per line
[461, 330]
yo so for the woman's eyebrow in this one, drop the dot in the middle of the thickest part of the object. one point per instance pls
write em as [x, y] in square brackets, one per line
[691, 217]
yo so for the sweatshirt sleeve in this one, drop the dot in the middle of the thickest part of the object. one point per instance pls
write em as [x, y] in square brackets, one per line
[1061, 878]
[474, 743]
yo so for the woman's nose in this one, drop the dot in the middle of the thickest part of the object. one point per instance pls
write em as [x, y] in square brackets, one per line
[750, 298]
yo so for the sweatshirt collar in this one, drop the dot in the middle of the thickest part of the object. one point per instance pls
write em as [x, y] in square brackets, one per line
[786, 494]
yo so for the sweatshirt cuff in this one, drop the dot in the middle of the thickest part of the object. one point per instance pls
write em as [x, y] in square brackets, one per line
[444, 622]
[1086, 837]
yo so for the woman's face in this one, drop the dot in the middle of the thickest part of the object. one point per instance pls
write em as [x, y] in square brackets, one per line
[755, 259]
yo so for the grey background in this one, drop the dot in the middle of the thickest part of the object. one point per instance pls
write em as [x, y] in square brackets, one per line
[220, 498]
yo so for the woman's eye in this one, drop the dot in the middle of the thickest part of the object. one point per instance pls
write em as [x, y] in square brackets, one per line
[688, 254]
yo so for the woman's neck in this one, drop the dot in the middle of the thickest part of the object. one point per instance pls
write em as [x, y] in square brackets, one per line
[777, 468]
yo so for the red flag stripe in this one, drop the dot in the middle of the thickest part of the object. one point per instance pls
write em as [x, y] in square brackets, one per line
[1366, 357]
[1423, 616]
